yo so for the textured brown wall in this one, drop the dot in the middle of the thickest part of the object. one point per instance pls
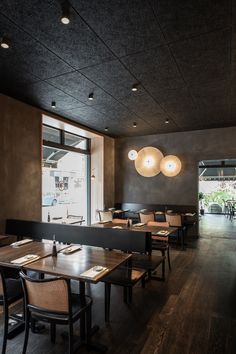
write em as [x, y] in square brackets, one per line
[190, 147]
[20, 161]
[109, 172]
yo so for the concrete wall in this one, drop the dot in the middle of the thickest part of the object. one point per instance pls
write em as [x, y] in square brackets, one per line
[20, 161]
[190, 147]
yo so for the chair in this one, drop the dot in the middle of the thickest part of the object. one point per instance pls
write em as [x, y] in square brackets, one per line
[146, 216]
[123, 276]
[105, 215]
[50, 300]
[175, 220]
[160, 243]
[10, 292]
[120, 221]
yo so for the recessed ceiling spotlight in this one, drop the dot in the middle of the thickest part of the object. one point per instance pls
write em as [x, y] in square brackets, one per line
[167, 121]
[65, 17]
[90, 97]
[53, 104]
[134, 124]
[106, 129]
[135, 87]
[65, 20]
[5, 43]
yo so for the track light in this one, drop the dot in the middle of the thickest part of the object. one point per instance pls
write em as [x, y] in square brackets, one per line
[135, 87]
[53, 104]
[65, 18]
[90, 97]
[167, 121]
[134, 124]
[5, 43]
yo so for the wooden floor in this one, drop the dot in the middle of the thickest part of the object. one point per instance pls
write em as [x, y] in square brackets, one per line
[194, 311]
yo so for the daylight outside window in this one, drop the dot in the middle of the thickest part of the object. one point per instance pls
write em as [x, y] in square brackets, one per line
[64, 178]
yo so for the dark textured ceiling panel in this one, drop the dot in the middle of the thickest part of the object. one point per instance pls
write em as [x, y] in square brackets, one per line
[181, 54]
[185, 18]
[125, 26]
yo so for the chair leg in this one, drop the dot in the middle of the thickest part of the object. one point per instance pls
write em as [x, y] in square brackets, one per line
[5, 332]
[168, 257]
[125, 294]
[88, 323]
[71, 335]
[130, 294]
[107, 301]
[53, 332]
[163, 269]
[27, 325]
[143, 281]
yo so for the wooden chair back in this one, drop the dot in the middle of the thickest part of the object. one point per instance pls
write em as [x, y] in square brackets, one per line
[47, 294]
[174, 219]
[105, 215]
[145, 217]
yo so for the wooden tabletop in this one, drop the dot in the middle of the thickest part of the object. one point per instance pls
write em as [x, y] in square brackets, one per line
[72, 265]
[144, 228]
[3, 237]
[10, 253]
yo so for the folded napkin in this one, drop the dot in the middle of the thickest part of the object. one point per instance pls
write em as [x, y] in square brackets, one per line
[118, 211]
[94, 272]
[117, 227]
[159, 212]
[161, 232]
[26, 259]
[22, 242]
[189, 214]
[71, 249]
[139, 224]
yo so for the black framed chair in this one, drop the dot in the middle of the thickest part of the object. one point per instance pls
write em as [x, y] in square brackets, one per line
[175, 220]
[105, 215]
[10, 292]
[161, 243]
[126, 277]
[40, 304]
[146, 216]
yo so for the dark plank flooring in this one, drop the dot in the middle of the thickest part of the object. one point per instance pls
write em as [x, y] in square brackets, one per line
[194, 311]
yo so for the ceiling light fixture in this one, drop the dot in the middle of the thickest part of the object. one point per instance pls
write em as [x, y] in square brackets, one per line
[90, 97]
[148, 161]
[132, 155]
[53, 104]
[106, 129]
[65, 18]
[170, 165]
[5, 43]
[134, 125]
[167, 121]
[134, 87]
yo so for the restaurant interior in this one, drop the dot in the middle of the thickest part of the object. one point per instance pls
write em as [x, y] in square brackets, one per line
[118, 161]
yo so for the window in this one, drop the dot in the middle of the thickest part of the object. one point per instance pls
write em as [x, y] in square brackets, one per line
[65, 171]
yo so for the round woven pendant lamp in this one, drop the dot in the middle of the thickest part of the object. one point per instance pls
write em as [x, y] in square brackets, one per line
[148, 161]
[170, 165]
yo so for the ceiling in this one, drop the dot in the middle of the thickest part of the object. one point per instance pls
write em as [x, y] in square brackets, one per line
[181, 53]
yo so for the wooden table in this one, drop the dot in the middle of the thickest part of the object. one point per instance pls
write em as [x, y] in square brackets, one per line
[73, 265]
[144, 228]
[9, 253]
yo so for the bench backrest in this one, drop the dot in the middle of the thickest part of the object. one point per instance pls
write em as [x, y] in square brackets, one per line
[125, 240]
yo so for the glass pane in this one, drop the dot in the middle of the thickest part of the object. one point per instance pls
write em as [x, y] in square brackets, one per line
[64, 186]
[51, 134]
[75, 141]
